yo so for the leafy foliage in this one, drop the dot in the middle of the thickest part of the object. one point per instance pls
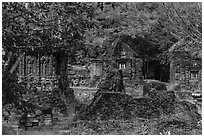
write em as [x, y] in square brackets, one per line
[81, 28]
[76, 29]
[45, 27]
[11, 90]
[156, 25]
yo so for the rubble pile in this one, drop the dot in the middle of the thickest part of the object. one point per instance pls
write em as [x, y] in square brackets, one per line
[112, 81]
[156, 102]
[106, 106]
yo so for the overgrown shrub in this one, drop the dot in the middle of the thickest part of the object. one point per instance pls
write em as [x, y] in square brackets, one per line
[184, 94]
[106, 106]
[12, 91]
[94, 81]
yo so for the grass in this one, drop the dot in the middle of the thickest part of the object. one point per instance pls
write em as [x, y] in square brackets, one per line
[109, 127]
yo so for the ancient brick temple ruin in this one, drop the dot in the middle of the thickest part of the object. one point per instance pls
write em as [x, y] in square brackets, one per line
[37, 71]
[118, 55]
[185, 69]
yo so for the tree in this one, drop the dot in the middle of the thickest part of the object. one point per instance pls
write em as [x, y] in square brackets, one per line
[157, 27]
[42, 28]
[50, 27]
[185, 23]
[76, 29]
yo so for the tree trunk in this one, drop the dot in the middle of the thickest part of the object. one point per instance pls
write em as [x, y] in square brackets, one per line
[16, 63]
[161, 74]
[146, 69]
[63, 82]
[66, 94]
[61, 71]
[8, 60]
[172, 72]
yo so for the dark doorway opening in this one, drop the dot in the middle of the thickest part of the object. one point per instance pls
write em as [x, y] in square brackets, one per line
[157, 71]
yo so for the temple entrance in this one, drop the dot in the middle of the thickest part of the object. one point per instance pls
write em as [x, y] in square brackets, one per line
[157, 71]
